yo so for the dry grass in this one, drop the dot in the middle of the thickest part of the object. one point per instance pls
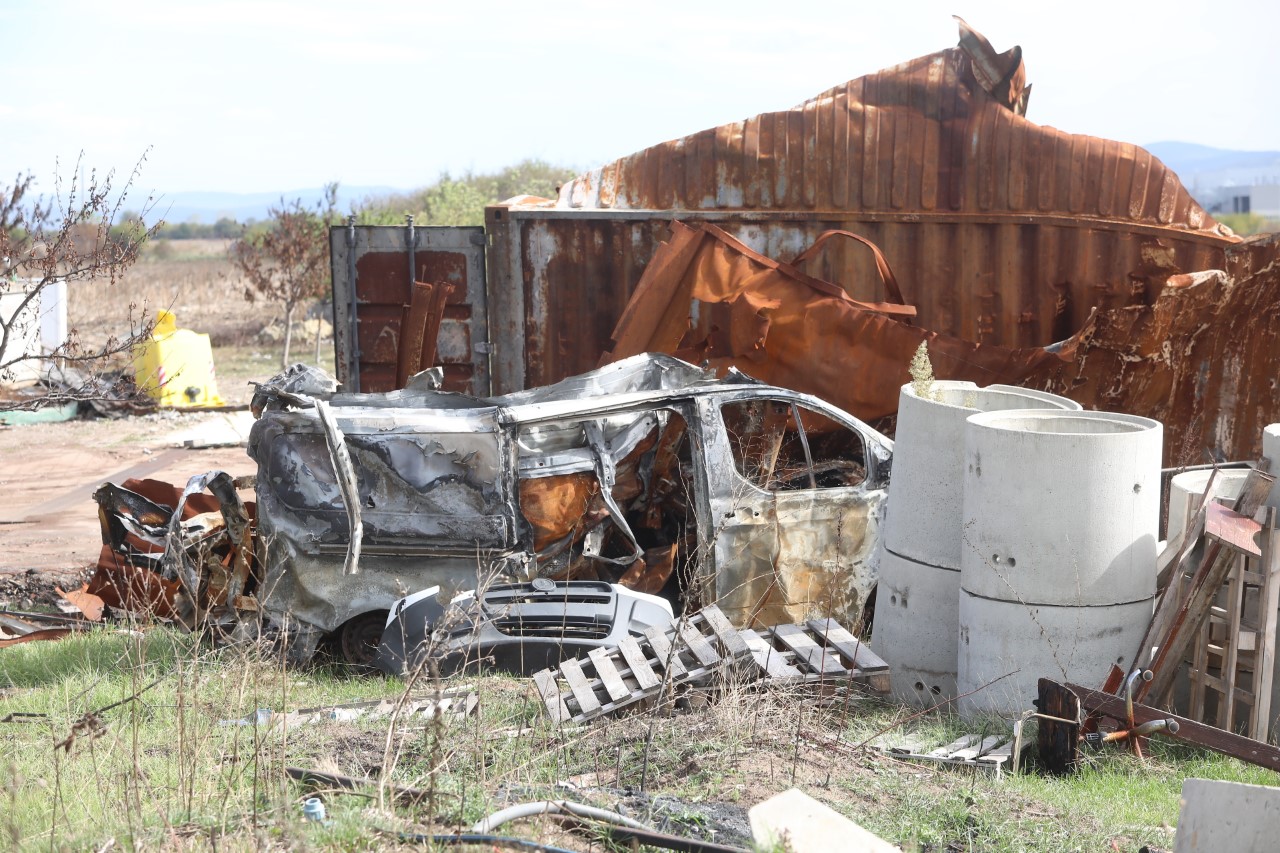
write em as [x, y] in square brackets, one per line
[192, 278]
[195, 280]
[160, 772]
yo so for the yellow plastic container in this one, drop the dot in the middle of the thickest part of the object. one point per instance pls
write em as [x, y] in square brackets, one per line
[175, 366]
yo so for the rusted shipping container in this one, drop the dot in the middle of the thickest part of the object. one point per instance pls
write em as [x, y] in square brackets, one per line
[1000, 231]
[374, 268]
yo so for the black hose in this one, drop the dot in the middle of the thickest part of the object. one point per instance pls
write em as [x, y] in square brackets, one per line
[477, 838]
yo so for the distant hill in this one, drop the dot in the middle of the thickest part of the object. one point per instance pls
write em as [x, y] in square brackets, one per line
[1205, 167]
[209, 207]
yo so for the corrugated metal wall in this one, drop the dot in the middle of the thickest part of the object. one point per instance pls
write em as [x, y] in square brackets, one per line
[999, 230]
[559, 280]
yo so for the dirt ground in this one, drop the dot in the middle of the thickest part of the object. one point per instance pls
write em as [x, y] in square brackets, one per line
[48, 473]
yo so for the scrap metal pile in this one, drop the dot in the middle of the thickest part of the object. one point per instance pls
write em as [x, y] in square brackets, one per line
[810, 256]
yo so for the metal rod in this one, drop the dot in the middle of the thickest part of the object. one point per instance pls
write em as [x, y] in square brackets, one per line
[1130, 684]
[352, 379]
[411, 244]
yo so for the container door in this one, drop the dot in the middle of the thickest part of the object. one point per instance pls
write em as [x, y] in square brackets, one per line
[374, 267]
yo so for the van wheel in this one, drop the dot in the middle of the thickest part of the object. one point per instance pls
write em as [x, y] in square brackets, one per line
[358, 637]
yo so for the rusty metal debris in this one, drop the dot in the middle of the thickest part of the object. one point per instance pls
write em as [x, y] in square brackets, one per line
[1061, 737]
[1006, 238]
[1001, 232]
[649, 472]
[16, 629]
[179, 555]
[708, 298]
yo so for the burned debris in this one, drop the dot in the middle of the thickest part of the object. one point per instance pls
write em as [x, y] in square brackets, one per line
[519, 628]
[704, 497]
[649, 473]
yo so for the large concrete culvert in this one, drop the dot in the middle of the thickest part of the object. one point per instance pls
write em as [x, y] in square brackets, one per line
[915, 623]
[1058, 568]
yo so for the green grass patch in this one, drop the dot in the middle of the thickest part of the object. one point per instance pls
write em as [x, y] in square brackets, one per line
[162, 767]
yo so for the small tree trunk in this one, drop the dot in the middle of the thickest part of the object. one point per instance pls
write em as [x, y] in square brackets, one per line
[288, 335]
[319, 325]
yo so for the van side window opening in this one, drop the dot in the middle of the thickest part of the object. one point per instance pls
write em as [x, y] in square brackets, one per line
[782, 446]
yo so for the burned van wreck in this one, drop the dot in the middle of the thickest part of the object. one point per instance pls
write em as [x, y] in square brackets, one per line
[649, 472]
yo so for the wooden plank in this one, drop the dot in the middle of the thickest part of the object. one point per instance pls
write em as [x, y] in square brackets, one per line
[1170, 612]
[771, 661]
[587, 701]
[858, 654]
[819, 658]
[1235, 603]
[609, 675]
[955, 746]
[974, 750]
[668, 658]
[1232, 528]
[1170, 564]
[734, 645]
[1268, 601]
[908, 745]
[1192, 611]
[1058, 742]
[1227, 743]
[1001, 753]
[639, 664]
[698, 645]
[545, 681]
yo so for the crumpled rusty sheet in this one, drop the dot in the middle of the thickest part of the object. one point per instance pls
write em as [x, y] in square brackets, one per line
[788, 329]
[1202, 358]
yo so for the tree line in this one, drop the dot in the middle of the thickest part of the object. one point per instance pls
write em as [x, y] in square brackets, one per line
[448, 201]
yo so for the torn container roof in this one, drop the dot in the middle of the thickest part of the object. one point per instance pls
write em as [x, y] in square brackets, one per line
[943, 134]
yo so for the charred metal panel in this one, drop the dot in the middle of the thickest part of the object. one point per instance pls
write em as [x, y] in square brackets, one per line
[788, 554]
[436, 496]
[372, 284]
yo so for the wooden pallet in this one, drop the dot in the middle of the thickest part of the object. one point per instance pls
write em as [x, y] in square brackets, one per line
[694, 650]
[1233, 661]
[609, 679]
[819, 650]
[981, 752]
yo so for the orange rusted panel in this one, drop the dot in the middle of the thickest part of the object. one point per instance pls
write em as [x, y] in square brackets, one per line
[708, 298]
[1201, 358]
[555, 506]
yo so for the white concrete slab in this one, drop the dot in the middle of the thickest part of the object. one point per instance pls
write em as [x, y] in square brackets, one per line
[805, 825]
[1220, 816]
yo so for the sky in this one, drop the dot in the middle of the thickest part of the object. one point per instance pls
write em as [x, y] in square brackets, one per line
[272, 96]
